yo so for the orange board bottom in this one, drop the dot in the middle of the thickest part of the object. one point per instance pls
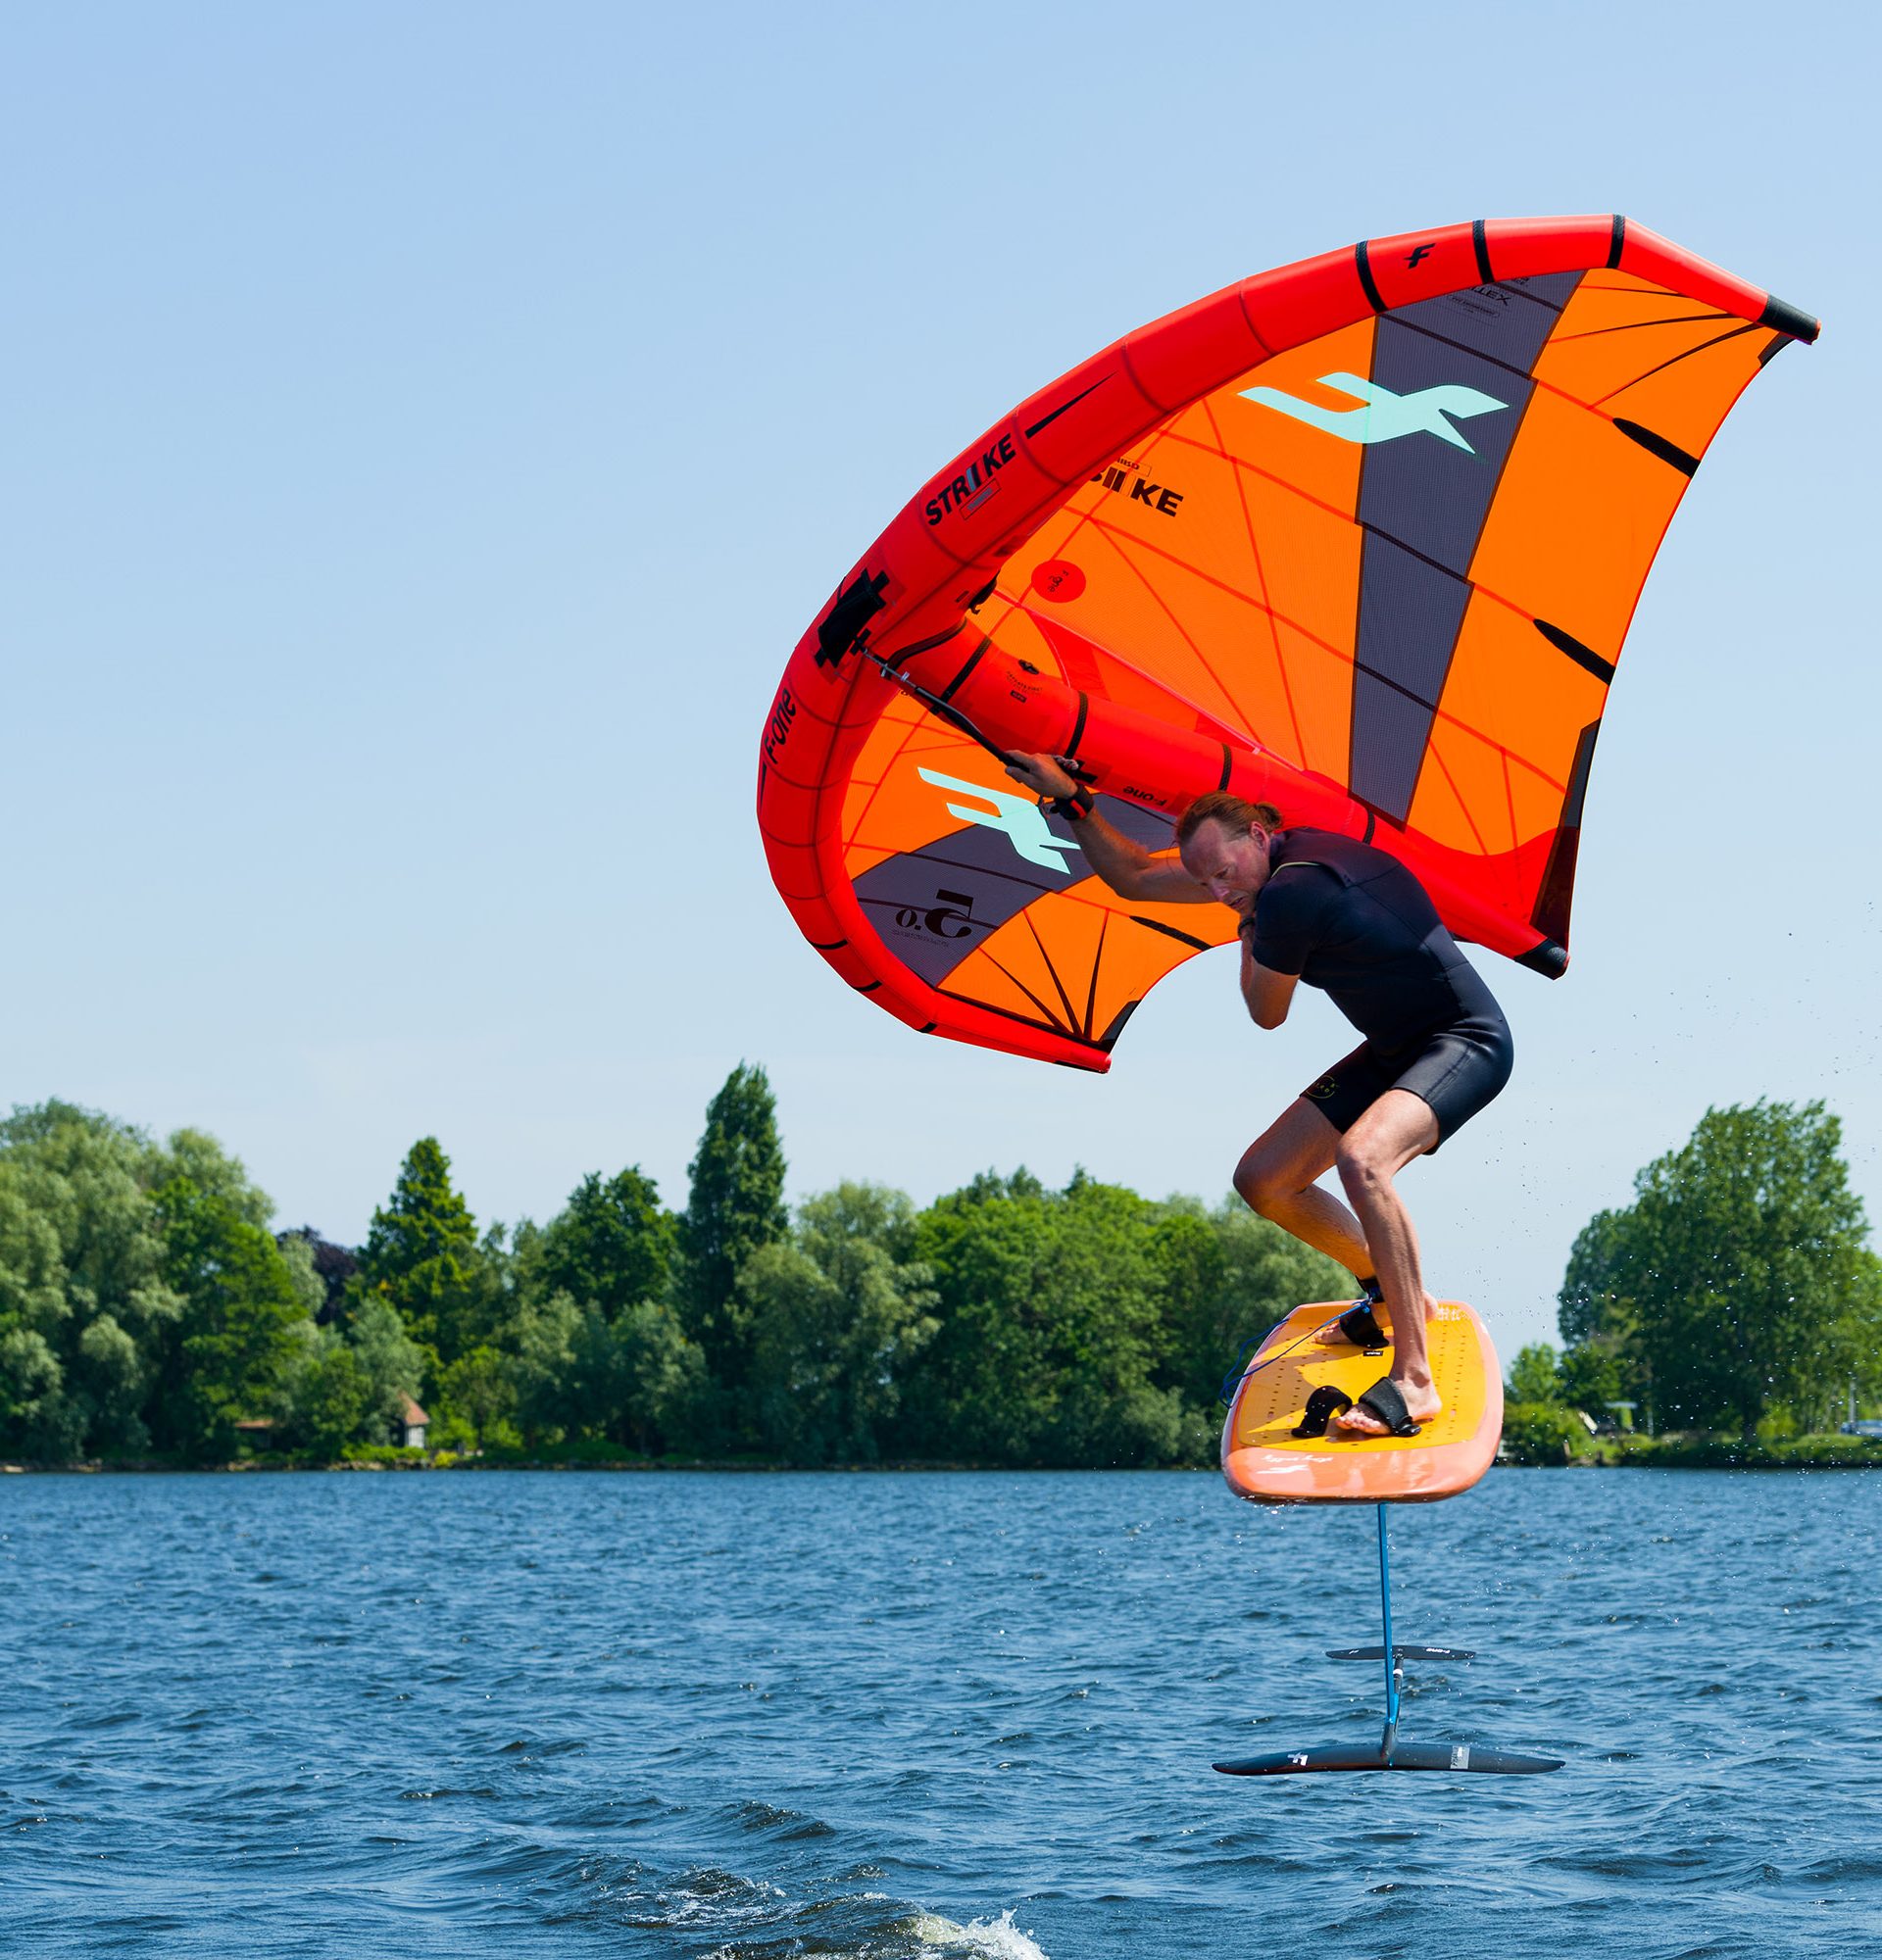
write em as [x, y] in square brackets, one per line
[1264, 1462]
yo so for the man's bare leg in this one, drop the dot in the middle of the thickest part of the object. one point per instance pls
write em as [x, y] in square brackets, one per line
[1275, 1177]
[1397, 1128]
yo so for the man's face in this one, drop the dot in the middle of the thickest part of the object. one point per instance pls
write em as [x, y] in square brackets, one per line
[1229, 863]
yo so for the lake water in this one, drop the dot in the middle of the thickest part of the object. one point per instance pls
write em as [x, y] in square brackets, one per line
[902, 1716]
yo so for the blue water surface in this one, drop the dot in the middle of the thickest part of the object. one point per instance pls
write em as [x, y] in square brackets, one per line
[906, 1715]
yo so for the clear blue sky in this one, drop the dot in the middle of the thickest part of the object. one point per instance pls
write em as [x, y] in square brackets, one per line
[432, 425]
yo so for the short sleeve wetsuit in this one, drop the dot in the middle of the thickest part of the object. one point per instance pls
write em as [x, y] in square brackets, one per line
[1353, 921]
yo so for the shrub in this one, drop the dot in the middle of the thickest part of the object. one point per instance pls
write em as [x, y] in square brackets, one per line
[1542, 1433]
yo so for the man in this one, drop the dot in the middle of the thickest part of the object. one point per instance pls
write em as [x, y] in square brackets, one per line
[1355, 922]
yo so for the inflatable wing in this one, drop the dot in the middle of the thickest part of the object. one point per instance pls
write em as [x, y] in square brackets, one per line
[1360, 537]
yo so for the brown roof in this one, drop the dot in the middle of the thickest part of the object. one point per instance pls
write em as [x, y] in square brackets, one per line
[412, 1413]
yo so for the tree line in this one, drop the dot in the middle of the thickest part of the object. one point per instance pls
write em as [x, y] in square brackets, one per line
[147, 1309]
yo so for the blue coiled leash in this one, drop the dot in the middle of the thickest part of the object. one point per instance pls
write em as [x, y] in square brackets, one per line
[1237, 1374]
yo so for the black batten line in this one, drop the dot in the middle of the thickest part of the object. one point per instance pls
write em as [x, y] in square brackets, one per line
[1046, 421]
[972, 661]
[1403, 326]
[1078, 726]
[1480, 245]
[1583, 657]
[1169, 931]
[1656, 444]
[1617, 238]
[1364, 265]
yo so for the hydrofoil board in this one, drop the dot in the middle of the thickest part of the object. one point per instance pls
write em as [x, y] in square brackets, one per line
[1266, 1463]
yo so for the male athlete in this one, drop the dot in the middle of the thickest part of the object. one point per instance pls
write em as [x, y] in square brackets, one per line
[1352, 920]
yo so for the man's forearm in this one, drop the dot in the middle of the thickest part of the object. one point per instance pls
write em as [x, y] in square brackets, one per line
[1118, 862]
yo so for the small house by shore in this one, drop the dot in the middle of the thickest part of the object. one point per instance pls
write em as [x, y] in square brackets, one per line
[413, 1423]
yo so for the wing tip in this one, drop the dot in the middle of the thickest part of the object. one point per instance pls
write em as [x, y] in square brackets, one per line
[1788, 319]
[1547, 956]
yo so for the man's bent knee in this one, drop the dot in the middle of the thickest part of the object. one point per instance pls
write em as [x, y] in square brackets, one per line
[1362, 1166]
[1261, 1188]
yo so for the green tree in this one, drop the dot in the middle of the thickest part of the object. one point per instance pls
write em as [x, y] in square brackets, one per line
[612, 1245]
[665, 1404]
[634, 1380]
[1534, 1375]
[1054, 1311]
[1591, 1375]
[423, 1258]
[391, 1366]
[1738, 1281]
[734, 1207]
[304, 1273]
[83, 1295]
[838, 1316]
[225, 1354]
[560, 1393]
[326, 1399]
[476, 1395]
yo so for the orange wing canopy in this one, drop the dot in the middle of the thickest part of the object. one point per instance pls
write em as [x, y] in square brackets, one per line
[1360, 537]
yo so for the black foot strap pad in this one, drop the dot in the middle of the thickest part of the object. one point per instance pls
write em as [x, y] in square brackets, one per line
[1322, 1405]
[1358, 1325]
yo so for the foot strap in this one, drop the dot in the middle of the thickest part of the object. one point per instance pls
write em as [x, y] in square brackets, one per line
[1358, 1325]
[1383, 1400]
[1322, 1405]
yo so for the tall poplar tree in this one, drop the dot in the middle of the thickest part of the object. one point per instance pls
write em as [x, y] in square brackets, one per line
[735, 1206]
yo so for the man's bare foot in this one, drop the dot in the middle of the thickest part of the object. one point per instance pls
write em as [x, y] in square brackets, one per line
[1421, 1404]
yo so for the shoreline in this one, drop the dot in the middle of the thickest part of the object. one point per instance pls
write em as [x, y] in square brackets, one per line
[1702, 1457]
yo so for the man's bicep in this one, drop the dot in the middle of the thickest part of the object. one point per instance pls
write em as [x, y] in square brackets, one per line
[1289, 919]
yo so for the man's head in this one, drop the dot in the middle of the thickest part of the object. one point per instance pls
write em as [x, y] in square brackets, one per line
[1223, 841]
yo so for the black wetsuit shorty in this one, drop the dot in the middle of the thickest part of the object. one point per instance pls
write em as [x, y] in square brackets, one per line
[1355, 922]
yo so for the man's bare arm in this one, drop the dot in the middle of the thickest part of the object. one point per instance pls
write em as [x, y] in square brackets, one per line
[1131, 871]
[1269, 995]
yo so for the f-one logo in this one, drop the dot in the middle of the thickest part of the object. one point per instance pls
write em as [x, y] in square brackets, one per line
[783, 713]
[1385, 416]
[1023, 820]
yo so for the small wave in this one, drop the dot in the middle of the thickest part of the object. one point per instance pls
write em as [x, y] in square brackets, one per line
[940, 1939]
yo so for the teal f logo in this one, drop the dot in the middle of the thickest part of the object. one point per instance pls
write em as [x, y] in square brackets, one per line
[1020, 817]
[1385, 416]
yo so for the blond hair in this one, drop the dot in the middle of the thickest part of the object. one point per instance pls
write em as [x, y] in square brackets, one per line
[1231, 812]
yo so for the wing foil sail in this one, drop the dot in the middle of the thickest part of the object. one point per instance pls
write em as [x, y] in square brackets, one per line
[1363, 536]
